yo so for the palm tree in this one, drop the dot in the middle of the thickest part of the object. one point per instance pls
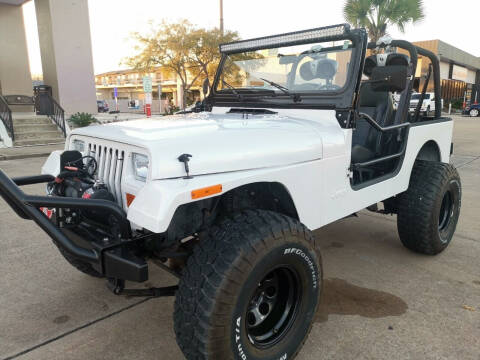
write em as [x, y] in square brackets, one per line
[375, 15]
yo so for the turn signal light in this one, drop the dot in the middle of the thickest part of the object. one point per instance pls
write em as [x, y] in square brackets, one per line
[130, 199]
[206, 191]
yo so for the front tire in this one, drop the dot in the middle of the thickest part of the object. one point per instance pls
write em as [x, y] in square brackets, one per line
[250, 290]
[428, 211]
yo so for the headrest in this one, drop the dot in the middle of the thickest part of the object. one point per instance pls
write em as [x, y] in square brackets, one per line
[306, 71]
[384, 60]
[398, 59]
[389, 78]
[370, 98]
[318, 69]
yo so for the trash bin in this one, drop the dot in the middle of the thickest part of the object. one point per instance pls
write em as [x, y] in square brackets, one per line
[43, 102]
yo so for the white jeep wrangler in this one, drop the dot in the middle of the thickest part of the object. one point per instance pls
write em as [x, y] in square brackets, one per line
[226, 197]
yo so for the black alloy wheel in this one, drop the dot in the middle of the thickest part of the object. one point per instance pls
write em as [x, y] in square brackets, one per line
[273, 306]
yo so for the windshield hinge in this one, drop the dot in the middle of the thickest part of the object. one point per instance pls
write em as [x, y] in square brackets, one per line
[344, 117]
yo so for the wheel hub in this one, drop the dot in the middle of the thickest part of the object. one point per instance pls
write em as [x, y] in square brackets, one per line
[272, 307]
[263, 301]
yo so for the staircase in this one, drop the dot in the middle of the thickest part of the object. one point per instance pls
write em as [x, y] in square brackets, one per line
[31, 129]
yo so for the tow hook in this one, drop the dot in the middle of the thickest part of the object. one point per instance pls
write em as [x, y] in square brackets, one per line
[117, 286]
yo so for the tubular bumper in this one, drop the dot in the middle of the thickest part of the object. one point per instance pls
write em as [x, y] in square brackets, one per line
[111, 258]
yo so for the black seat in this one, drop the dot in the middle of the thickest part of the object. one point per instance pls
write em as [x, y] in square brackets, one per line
[366, 140]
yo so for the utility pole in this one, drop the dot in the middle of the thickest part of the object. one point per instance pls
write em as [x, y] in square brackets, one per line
[221, 17]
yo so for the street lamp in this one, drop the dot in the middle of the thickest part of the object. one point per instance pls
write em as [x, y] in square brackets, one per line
[221, 17]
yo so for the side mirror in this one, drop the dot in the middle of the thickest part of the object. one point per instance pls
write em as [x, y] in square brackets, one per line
[389, 78]
[205, 87]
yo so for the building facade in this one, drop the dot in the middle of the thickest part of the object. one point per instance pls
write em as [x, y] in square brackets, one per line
[459, 72]
[129, 86]
[65, 49]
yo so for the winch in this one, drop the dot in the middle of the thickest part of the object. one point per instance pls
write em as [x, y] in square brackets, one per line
[77, 180]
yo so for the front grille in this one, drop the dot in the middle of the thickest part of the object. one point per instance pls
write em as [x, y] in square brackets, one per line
[110, 167]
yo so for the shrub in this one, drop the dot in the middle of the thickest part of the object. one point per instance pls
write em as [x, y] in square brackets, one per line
[172, 110]
[457, 103]
[81, 119]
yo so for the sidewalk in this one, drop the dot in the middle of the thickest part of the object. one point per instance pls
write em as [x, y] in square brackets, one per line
[25, 152]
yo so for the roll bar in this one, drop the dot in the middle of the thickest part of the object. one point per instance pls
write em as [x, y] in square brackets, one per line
[414, 52]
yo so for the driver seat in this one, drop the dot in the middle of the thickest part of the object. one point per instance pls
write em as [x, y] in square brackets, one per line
[366, 140]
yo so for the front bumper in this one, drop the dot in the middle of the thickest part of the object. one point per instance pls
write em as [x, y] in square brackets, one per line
[109, 254]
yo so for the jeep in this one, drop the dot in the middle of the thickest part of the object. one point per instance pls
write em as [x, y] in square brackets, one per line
[295, 131]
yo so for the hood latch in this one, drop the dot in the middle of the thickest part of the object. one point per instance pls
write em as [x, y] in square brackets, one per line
[185, 158]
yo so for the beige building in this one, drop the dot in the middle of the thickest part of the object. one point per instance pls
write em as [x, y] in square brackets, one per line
[459, 71]
[129, 85]
[65, 47]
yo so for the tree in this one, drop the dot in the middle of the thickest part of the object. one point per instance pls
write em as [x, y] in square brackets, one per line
[191, 53]
[376, 15]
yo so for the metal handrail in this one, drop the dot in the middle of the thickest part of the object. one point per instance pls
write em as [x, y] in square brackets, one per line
[57, 115]
[6, 117]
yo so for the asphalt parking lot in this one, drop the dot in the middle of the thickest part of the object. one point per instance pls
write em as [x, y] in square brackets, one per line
[380, 301]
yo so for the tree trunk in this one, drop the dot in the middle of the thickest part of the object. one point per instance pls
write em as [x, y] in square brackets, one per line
[184, 95]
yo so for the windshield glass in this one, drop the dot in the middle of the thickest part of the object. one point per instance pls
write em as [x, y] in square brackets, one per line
[417, 96]
[318, 67]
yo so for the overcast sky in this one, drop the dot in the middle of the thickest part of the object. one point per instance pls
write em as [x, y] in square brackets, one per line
[111, 22]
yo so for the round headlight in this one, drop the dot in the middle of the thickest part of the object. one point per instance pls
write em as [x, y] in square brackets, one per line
[78, 145]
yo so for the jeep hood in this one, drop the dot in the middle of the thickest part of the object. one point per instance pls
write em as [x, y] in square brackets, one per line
[217, 142]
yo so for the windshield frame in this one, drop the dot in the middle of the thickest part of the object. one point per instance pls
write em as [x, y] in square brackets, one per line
[330, 99]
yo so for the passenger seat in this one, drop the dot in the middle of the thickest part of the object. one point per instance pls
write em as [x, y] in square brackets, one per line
[366, 141]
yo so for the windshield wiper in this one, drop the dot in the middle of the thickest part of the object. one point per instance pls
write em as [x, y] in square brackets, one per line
[296, 97]
[234, 92]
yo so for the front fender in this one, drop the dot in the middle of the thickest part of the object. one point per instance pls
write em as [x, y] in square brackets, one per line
[155, 204]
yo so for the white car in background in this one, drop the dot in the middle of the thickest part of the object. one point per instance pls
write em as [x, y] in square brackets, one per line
[428, 104]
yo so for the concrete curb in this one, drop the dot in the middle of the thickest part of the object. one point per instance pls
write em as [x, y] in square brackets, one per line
[23, 156]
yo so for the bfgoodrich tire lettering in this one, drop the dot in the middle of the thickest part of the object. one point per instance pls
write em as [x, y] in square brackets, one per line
[428, 211]
[250, 290]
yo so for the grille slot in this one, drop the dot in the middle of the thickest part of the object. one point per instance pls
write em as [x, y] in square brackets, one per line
[110, 167]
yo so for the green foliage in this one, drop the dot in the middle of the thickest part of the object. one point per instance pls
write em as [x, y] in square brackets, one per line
[457, 103]
[375, 15]
[190, 52]
[81, 119]
[172, 110]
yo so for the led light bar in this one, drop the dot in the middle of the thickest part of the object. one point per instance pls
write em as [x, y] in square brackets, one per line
[286, 39]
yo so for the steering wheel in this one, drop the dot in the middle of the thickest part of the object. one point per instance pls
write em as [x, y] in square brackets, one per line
[328, 87]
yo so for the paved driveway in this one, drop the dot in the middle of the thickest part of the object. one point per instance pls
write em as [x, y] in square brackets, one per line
[380, 300]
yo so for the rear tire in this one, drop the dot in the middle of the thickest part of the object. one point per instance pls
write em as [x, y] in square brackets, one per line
[428, 211]
[250, 290]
